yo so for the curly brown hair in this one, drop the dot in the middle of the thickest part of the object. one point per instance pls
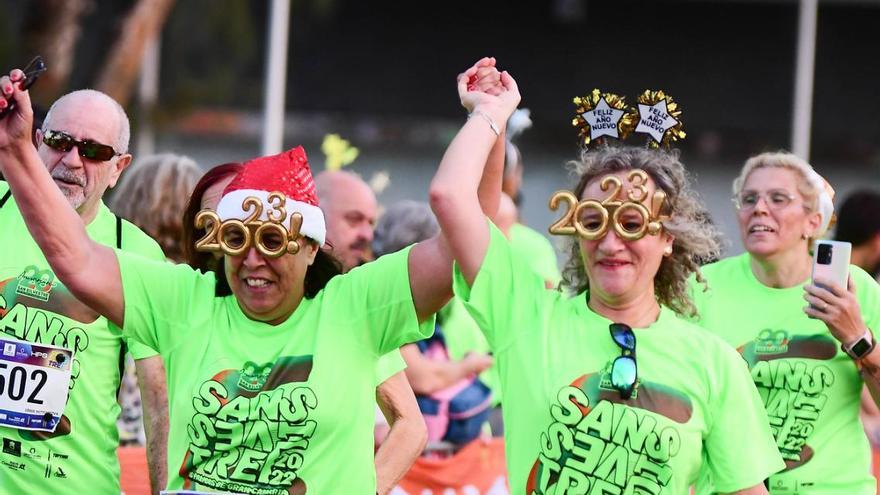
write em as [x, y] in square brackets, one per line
[697, 240]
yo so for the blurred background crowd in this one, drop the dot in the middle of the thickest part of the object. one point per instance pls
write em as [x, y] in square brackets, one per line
[193, 77]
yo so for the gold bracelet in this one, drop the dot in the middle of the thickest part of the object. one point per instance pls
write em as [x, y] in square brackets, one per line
[488, 119]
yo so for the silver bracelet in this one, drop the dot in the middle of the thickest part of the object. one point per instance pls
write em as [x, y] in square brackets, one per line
[488, 119]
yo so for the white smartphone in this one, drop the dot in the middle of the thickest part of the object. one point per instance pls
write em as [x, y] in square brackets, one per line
[831, 262]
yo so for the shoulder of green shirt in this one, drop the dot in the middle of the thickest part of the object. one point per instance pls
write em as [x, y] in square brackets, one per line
[137, 241]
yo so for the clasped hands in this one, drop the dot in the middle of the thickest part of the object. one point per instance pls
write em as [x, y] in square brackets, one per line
[483, 88]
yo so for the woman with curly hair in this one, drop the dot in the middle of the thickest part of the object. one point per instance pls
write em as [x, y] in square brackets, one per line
[611, 390]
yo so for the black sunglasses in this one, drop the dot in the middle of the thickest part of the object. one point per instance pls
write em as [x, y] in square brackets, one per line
[624, 371]
[63, 142]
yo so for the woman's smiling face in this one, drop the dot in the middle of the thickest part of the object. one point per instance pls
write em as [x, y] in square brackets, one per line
[618, 270]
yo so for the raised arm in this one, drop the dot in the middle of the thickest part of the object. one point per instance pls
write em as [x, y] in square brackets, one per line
[456, 188]
[90, 271]
[430, 262]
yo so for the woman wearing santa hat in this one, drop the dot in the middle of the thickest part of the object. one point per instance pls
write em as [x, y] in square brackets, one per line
[271, 367]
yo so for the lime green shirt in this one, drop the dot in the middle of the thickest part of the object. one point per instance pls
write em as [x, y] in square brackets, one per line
[533, 246]
[567, 429]
[262, 409]
[389, 365]
[80, 456]
[811, 389]
[463, 334]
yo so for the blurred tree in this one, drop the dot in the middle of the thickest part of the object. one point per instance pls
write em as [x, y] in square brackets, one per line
[120, 71]
[212, 54]
[51, 28]
[59, 29]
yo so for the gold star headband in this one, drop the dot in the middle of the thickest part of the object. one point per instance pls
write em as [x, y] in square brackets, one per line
[626, 210]
[600, 116]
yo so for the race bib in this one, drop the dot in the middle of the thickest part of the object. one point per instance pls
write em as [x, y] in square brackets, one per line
[34, 381]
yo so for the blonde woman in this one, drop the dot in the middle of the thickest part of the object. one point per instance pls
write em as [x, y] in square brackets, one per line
[799, 339]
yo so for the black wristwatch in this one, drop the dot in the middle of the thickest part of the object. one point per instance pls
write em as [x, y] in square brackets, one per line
[861, 347]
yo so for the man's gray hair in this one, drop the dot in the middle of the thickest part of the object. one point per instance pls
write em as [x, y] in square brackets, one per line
[404, 223]
[124, 135]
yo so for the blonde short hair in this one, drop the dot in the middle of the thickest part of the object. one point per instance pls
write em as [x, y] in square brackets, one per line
[817, 193]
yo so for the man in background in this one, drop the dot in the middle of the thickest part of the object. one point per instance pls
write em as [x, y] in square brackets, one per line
[350, 211]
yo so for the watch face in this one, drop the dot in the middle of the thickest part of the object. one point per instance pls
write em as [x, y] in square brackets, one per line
[861, 347]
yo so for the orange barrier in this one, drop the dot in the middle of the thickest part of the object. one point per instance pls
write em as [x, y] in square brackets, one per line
[134, 476]
[477, 469]
[876, 463]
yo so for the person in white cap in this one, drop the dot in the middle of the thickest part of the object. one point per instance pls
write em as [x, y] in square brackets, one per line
[804, 344]
[271, 367]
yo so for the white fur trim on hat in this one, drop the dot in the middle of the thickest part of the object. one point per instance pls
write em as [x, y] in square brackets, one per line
[825, 203]
[313, 225]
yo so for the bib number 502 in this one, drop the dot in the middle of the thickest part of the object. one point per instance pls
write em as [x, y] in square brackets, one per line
[16, 382]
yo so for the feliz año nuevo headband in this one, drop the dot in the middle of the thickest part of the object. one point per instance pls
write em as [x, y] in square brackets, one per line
[600, 116]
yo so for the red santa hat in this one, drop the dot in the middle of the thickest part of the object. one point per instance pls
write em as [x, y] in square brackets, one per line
[287, 172]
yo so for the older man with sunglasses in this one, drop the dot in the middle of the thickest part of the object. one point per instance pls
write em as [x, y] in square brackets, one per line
[49, 447]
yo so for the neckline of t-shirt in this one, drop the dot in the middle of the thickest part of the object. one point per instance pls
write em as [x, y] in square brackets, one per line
[242, 323]
[747, 262]
[585, 311]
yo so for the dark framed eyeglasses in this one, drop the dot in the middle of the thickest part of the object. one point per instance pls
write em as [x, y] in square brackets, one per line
[624, 370]
[63, 142]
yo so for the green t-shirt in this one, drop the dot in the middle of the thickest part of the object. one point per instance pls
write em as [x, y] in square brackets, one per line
[533, 246]
[81, 454]
[809, 386]
[260, 409]
[463, 335]
[389, 365]
[565, 427]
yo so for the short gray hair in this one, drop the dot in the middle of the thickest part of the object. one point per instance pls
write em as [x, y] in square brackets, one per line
[124, 135]
[404, 223]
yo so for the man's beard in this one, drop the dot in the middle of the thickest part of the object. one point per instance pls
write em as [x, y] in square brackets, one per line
[366, 248]
[76, 197]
